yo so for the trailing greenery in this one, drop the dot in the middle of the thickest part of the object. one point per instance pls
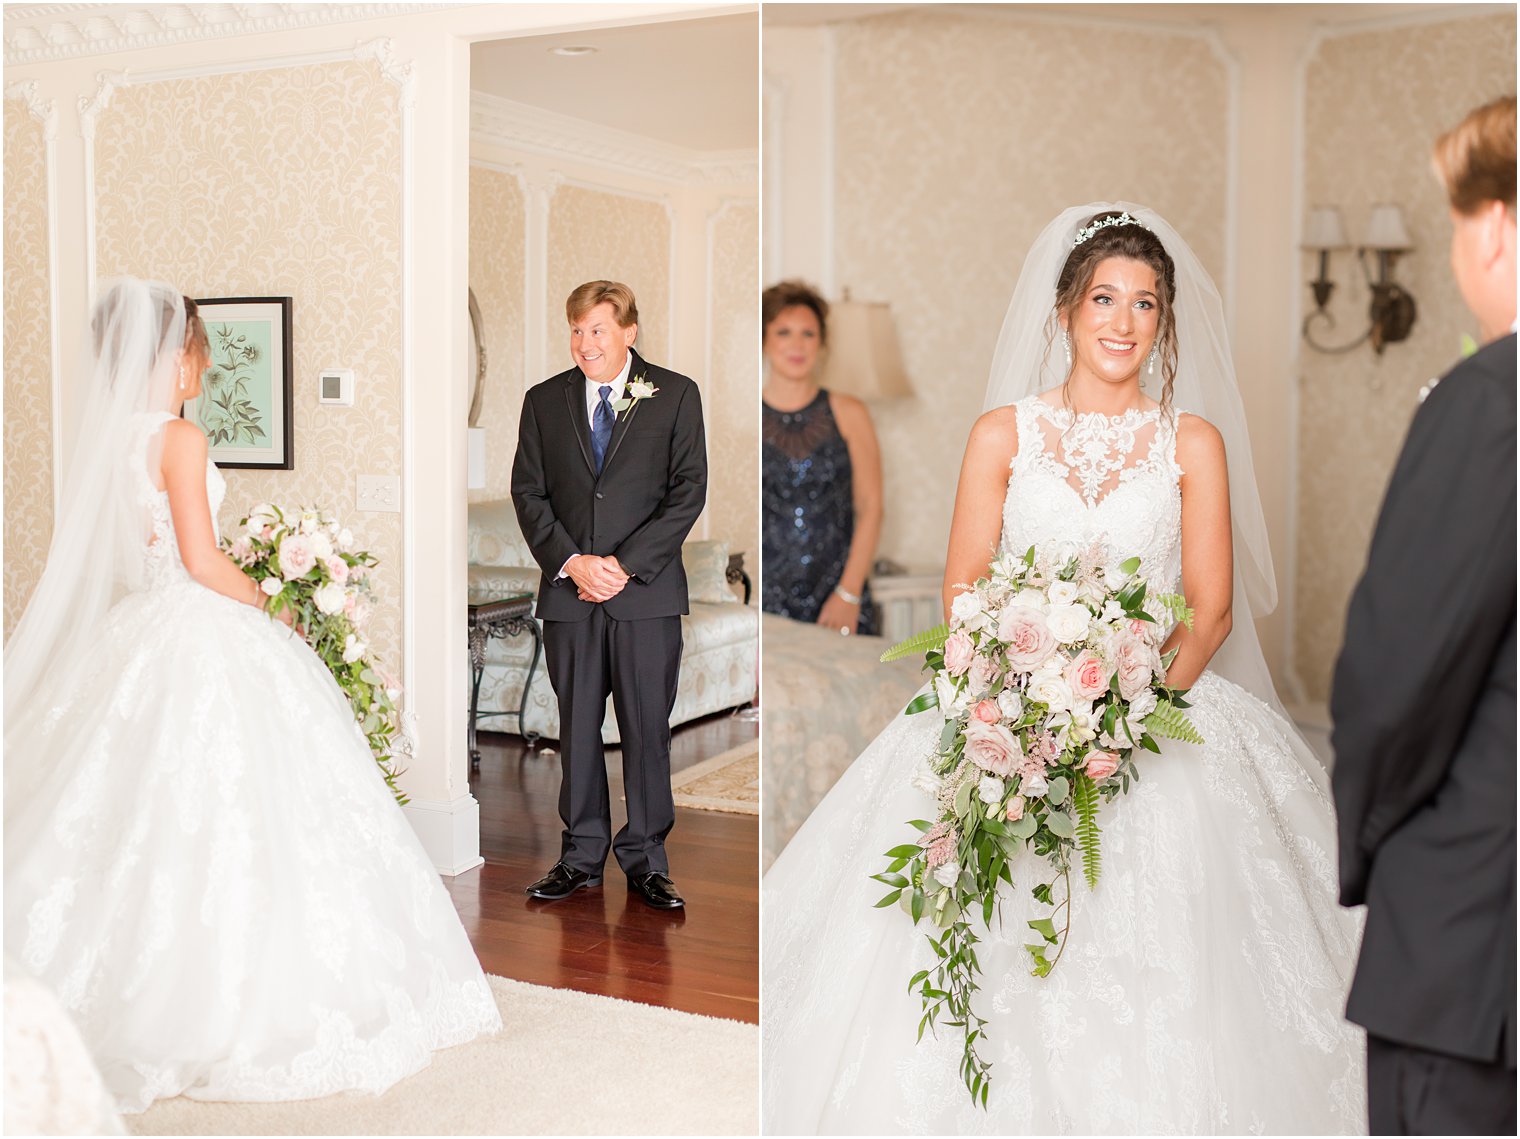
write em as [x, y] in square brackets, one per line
[1084, 797]
[1169, 722]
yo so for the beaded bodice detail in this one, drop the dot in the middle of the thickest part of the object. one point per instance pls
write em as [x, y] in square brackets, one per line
[162, 564]
[1085, 478]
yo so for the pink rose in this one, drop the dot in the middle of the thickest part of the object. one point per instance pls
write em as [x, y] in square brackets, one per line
[986, 711]
[992, 747]
[338, 568]
[296, 557]
[1015, 810]
[1134, 661]
[1087, 675]
[1028, 638]
[1100, 765]
[958, 653]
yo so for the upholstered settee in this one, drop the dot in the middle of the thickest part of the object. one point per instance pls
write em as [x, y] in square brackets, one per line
[720, 638]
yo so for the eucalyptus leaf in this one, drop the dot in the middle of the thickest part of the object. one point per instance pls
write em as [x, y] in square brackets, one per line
[1056, 795]
[1061, 824]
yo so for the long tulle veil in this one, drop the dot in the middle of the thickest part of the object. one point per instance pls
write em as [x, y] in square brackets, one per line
[99, 543]
[1023, 364]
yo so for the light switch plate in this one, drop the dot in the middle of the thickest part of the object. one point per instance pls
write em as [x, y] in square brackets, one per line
[335, 386]
[379, 492]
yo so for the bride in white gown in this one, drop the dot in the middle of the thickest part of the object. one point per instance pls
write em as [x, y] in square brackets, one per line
[201, 858]
[1203, 980]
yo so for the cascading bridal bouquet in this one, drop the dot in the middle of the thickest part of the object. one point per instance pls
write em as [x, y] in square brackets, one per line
[305, 561]
[1050, 678]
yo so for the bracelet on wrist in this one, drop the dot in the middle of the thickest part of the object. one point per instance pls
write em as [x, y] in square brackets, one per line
[845, 595]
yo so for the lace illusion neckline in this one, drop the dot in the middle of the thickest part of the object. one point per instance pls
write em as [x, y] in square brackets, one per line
[1065, 416]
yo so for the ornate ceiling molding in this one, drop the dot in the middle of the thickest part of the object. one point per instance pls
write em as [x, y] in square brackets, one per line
[504, 122]
[41, 33]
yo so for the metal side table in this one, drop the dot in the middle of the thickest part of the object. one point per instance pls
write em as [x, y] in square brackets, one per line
[508, 617]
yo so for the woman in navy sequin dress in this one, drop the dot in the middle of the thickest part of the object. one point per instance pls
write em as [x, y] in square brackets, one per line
[821, 468]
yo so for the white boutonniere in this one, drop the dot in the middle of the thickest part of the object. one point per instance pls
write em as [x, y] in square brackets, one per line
[638, 389]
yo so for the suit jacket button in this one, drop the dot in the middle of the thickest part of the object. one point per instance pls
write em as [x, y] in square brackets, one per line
[599, 494]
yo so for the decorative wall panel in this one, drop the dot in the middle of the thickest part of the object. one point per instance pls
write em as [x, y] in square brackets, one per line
[496, 275]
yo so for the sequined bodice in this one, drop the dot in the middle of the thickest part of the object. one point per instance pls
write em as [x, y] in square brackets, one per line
[808, 509]
[1092, 477]
[162, 564]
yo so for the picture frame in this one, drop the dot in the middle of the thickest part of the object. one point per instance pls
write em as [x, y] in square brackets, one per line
[246, 406]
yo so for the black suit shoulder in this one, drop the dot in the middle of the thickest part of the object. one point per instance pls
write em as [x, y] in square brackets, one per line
[1480, 388]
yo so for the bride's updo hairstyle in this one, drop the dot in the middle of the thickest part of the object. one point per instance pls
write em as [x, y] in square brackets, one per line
[1136, 243]
[196, 339]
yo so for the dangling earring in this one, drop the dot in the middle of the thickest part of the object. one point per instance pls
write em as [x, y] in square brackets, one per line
[1151, 366]
[1066, 344]
[181, 383]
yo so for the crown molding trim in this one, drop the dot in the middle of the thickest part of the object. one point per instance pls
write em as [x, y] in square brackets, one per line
[44, 33]
[495, 121]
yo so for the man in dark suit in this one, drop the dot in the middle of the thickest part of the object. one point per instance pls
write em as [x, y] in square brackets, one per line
[1424, 708]
[610, 475]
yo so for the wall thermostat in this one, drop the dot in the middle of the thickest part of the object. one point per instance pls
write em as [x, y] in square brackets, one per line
[336, 386]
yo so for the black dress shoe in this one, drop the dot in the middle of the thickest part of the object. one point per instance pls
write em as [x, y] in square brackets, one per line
[657, 890]
[562, 881]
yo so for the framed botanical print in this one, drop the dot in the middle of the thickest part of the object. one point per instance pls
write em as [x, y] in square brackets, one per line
[246, 407]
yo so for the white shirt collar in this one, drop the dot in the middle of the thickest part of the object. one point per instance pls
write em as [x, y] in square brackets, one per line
[617, 383]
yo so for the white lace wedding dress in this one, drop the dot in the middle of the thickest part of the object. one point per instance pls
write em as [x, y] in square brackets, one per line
[1202, 986]
[204, 864]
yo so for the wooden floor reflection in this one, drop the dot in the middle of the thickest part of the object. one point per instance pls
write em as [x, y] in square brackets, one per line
[704, 959]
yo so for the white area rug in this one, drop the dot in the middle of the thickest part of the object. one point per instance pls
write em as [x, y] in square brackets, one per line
[728, 782]
[565, 1063]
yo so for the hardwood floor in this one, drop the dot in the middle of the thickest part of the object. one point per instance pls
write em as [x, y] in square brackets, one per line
[704, 959]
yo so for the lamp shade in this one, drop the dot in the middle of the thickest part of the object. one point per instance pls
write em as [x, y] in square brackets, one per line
[864, 358]
[1323, 229]
[1385, 229]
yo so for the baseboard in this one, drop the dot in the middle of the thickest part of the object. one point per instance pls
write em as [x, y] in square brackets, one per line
[449, 832]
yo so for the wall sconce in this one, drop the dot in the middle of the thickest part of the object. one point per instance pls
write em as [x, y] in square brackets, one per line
[1391, 314]
[864, 359]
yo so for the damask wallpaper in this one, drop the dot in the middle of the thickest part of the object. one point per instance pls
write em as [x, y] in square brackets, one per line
[601, 235]
[1375, 102]
[958, 136]
[28, 361]
[281, 183]
[496, 275]
[731, 391]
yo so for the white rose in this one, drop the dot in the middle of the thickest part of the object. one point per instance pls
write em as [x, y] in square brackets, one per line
[1142, 705]
[1049, 687]
[990, 790]
[951, 703]
[1009, 704]
[1031, 598]
[967, 611]
[310, 521]
[346, 540]
[1112, 611]
[948, 873]
[321, 545]
[271, 585]
[1062, 592]
[640, 389]
[329, 598]
[1033, 786]
[925, 780]
[353, 649]
[1068, 623]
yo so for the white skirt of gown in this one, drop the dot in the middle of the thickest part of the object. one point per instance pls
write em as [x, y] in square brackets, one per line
[1201, 990]
[204, 863]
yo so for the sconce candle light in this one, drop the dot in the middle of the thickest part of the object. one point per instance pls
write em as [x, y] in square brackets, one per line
[1392, 312]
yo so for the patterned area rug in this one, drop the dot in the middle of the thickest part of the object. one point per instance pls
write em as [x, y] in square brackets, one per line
[726, 782]
[565, 1063]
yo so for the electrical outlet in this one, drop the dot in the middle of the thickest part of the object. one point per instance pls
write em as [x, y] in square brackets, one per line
[379, 492]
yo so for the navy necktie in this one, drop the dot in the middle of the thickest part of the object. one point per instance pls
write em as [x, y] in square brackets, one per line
[601, 427]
